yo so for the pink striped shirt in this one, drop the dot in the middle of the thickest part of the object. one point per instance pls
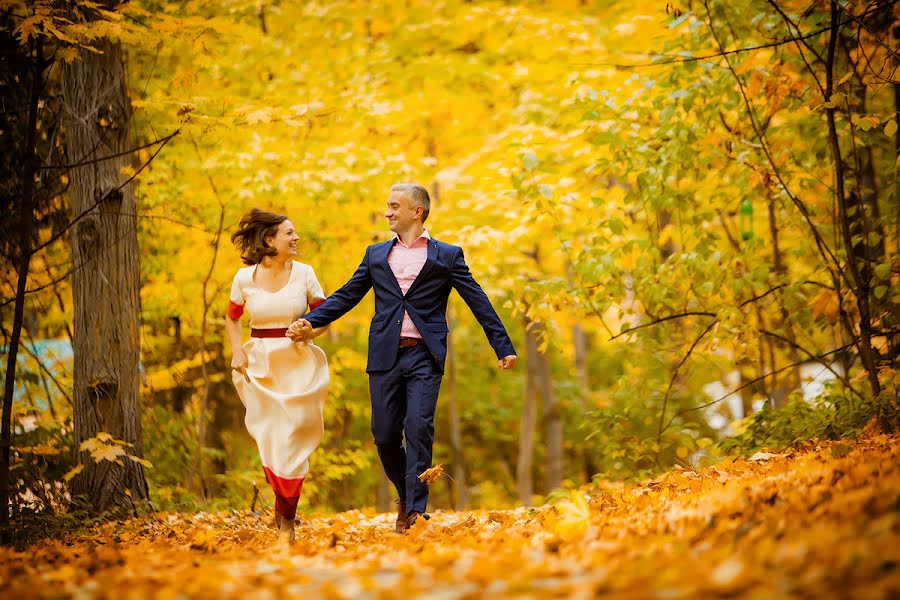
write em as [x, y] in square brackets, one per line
[406, 262]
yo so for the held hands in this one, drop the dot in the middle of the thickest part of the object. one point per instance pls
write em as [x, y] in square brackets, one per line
[301, 331]
[507, 362]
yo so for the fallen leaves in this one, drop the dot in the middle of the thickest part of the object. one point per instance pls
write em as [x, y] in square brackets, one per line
[816, 523]
[431, 475]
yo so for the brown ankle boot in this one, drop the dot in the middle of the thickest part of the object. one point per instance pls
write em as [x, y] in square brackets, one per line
[400, 525]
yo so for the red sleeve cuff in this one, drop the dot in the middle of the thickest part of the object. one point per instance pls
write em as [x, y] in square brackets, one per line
[235, 310]
[316, 304]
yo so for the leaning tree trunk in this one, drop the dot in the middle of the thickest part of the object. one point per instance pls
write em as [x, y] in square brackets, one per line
[105, 277]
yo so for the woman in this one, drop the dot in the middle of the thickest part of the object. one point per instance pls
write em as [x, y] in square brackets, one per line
[282, 383]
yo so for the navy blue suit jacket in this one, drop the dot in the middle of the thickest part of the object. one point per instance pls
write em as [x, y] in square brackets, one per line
[425, 302]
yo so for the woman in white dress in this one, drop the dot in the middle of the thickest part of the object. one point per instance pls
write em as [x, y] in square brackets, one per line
[282, 383]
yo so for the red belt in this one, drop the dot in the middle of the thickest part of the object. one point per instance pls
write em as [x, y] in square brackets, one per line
[268, 333]
[406, 342]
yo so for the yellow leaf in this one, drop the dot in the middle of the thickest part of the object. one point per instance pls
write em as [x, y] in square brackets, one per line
[431, 475]
[73, 472]
[571, 517]
[140, 461]
[110, 453]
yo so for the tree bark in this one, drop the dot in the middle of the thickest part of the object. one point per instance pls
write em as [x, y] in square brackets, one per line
[23, 251]
[105, 279]
[459, 490]
[780, 394]
[553, 425]
[382, 492]
[859, 280]
[581, 343]
[525, 460]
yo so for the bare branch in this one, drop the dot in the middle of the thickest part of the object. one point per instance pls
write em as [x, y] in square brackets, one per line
[667, 318]
[84, 213]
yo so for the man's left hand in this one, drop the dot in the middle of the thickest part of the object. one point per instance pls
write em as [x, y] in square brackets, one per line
[507, 362]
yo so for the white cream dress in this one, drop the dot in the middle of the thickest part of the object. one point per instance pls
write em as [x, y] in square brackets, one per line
[288, 381]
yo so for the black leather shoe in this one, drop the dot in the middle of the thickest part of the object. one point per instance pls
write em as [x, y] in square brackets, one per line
[400, 526]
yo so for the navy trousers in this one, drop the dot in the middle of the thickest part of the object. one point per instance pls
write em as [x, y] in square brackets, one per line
[403, 402]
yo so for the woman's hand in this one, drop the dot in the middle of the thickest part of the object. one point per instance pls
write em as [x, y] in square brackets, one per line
[239, 363]
[301, 331]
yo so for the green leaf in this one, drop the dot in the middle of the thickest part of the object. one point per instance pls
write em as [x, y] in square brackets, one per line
[616, 226]
[883, 271]
[880, 291]
[890, 128]
[679, 20]
[530, 161]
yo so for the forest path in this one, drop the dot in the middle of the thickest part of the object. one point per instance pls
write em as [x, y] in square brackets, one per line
[819, 522]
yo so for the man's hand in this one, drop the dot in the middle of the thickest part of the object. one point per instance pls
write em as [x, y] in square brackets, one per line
[507, 362]
[300, 330]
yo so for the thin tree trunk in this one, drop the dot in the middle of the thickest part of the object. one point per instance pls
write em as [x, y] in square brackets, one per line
[24, 260]
[581, 343]
[196, 464]
[105, 280]
[525, 460]
[460, 493]
[382, 493]
[552, 421]
[779, 397]
[860, 283]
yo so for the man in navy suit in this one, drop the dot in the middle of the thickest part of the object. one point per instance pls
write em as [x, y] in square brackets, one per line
[412, 275]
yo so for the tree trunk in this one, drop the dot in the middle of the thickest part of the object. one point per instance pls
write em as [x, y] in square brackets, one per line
[105, 279]
[382, 492]
[459, 491]
[581, 343]
[23, 250]
[525, 460]
[793, 382]
[552, 419]
[858, 280]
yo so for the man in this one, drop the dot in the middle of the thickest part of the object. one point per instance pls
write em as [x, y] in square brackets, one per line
[412, 275]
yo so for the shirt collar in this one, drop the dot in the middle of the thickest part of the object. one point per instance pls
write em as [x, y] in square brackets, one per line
[423, 235]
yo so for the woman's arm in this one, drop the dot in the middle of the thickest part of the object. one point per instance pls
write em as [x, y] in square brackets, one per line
[238, 356]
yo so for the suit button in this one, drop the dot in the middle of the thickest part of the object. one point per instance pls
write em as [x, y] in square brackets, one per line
[398, 322]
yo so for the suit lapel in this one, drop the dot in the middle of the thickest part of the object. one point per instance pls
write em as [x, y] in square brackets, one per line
[383, 261]
[429, 263]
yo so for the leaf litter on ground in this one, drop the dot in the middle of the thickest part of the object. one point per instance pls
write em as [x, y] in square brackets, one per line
[818, 522]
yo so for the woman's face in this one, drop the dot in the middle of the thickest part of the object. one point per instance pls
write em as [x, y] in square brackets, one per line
[285, 240]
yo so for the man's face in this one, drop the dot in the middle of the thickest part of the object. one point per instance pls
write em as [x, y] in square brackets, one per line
[400, 214]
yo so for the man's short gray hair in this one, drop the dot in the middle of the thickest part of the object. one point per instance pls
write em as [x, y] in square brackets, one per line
[418, 196]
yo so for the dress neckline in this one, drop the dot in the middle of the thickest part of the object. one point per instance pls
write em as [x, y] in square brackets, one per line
[290, 277]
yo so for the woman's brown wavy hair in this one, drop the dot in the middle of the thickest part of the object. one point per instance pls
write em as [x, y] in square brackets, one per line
[253, 229]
